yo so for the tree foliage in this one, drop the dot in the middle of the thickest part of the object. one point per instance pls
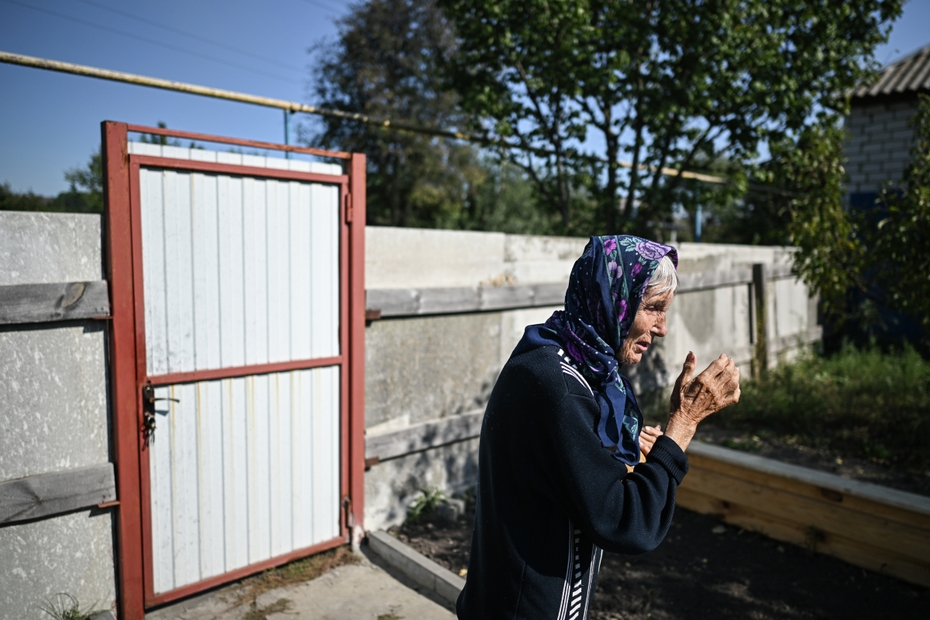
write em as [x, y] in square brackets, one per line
[84, 195]
[861, 260]
[384, 65]
[901, 236]
[660, 83]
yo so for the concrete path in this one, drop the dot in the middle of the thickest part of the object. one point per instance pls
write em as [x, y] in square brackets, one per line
[372, 590]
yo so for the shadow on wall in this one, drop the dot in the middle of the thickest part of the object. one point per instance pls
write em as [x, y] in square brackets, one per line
[391, 486]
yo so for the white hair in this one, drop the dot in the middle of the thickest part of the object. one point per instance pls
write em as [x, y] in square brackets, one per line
[664, 278]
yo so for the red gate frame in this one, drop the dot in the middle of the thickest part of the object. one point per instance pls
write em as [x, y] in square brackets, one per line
[127, 353]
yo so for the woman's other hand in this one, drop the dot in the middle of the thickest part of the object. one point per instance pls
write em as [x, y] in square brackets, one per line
[647, 438]
[695, 399]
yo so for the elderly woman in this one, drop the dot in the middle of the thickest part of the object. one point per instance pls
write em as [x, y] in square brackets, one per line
[566, 468]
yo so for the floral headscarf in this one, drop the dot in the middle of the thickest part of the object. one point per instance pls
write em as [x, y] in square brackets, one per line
[604, 292]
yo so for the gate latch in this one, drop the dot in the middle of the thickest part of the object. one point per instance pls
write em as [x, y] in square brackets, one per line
[349, 516]
[148, 409]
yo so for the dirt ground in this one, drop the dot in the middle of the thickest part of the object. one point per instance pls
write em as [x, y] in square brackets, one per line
[706, 569]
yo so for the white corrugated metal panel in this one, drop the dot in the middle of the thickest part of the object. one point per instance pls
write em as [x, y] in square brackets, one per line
[237, 270]
[225, 157]
[243, 470]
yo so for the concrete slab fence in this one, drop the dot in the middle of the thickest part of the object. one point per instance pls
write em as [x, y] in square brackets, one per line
[444, 310]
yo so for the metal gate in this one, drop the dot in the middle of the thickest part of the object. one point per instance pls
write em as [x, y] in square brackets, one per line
[238, 317]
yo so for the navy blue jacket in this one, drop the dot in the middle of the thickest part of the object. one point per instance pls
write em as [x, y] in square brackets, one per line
[551, 498]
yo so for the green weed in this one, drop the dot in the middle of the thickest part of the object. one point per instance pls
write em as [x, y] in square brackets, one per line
[63, 606]
[296, 572]
[425, 504]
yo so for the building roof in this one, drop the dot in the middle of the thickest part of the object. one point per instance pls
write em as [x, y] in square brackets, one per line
[910, 75]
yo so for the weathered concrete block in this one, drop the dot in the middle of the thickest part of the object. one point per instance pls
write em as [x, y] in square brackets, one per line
[40, 248]
[54, 395]
[430, 367]
[72, 553]
[395, 257]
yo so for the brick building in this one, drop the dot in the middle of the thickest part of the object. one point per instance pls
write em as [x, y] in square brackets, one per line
[880, 135]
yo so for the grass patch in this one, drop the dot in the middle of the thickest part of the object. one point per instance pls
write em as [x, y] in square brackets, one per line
[63, 606]
[261, 613]
[857, 403]
[295, 572]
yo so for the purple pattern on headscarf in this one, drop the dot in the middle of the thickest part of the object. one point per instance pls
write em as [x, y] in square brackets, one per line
[603, 296]
[650, 250]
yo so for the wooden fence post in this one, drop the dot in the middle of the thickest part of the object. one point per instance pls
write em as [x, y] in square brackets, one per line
[760, 351]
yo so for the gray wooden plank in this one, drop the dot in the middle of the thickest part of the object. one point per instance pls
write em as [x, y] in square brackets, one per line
[549, 293]
[393, 302]
[450, 300]
[45, 495]
[713, 279]
[60, 301]
[424, 436]
[443, 300]
[506, 297]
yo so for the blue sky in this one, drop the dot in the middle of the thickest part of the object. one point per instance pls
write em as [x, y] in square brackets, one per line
[50, 122]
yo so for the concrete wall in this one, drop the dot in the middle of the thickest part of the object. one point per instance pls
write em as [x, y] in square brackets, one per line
[428, 368]
[54, 418]
[419, 369]
[879, 145]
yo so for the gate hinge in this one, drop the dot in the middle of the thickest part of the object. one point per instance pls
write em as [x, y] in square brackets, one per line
[347, 508]
[347, 199]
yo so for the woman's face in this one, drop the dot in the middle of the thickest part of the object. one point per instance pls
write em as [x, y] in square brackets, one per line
[648, 324]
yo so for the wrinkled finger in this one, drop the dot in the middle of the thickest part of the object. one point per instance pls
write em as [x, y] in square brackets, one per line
[687, 370]
[727, 366]
[717, 366]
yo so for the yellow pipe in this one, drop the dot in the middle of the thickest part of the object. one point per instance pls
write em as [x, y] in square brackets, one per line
[291, 106]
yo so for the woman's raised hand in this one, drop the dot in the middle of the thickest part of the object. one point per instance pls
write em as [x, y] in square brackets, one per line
[695, 399]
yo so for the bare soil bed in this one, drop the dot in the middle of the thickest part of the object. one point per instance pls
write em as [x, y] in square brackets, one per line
[778, 448]
[706, 569]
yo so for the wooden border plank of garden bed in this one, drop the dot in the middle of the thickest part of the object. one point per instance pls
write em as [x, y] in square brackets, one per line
[45, 495]
[865, 524]
[61, 301]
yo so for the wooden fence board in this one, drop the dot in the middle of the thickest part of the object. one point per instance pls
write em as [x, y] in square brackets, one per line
[714, 279]
[45, 495]
[451, 300]
[62, 301]
[424, 436]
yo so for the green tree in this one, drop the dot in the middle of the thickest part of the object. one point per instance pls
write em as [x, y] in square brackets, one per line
[86, 185]
[661, 83]
[84, 195]
[384, 65]
[901, 236]
[860, 260]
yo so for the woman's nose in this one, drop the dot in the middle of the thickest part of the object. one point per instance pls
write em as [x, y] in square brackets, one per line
[660, 329]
